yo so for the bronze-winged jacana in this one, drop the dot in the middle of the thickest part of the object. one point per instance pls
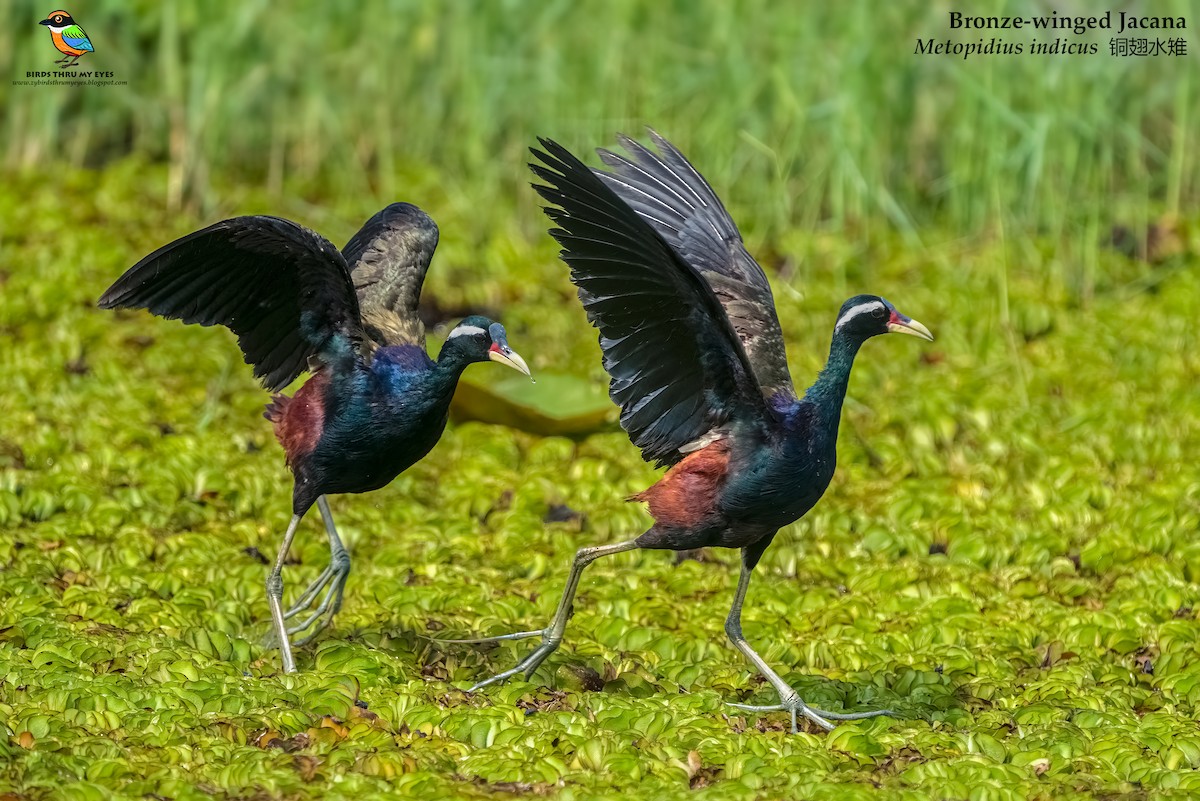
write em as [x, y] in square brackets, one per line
[375, 404]
[692, 343]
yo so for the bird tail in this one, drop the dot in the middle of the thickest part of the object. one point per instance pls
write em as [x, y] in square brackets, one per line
[275, 409]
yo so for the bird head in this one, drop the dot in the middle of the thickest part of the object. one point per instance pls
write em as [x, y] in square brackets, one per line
[865, 316]
[479, 339]
[57, 20]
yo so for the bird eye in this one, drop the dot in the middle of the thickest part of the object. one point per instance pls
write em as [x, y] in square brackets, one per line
[880, 313]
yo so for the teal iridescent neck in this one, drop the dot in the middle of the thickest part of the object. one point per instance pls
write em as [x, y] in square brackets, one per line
[829, 390]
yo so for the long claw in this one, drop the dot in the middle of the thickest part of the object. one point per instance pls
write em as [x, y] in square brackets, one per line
[818, 716]
[306, 625]
[323, 614]
[789, 700]
[330, 604]
[307, 638]
[306, 598]
[875, 713]
[520, 635]
[527, 665]
[757, 708]
[552, 634]
[499, 677]
[332, 582]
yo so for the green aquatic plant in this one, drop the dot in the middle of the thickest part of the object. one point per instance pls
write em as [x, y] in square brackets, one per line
[1027, 607]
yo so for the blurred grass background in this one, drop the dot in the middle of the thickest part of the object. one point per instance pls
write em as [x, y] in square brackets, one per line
[1008, 554]
[814, 115]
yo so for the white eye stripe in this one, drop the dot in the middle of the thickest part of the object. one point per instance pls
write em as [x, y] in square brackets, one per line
[861, 308]
[466, 331]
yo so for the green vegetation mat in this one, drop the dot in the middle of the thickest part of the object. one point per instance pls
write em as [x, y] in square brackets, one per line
[1008, 556]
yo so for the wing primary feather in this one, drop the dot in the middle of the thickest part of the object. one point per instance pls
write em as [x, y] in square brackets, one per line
[621, 163]
[676, 364]
[283, 289]
[663, 188]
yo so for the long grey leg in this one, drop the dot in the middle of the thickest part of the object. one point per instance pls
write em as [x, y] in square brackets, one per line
[275, 596]
[334, 577]
[553, 634]
[789, 699]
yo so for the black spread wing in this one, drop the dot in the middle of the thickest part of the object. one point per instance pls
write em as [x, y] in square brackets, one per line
[669, 194]
[677, 368]
[388, 260]
[283, 289]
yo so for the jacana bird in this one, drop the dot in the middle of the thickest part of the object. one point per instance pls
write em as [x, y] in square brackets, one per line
[376, 402]
[692, 344]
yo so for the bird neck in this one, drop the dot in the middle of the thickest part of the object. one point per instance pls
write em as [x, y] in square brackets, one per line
[829, 390]
[451, 362]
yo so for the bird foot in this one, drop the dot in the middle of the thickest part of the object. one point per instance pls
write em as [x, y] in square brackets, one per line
[528, 665]
[333, 581]
[792, 703]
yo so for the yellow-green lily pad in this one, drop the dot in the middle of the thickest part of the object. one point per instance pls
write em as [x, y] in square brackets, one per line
[559, 404]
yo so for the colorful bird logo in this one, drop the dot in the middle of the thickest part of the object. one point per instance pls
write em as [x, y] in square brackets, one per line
[68, 37]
